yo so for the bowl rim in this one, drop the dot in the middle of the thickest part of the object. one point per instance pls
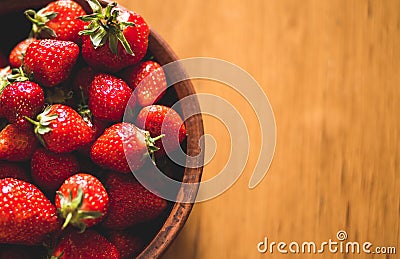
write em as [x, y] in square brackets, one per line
[172, 227]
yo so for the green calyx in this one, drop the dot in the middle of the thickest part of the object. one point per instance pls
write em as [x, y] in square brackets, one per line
[57, 257]
[58, 95]
[4, 82]
[70, 210]
[83, 109]
[85, 113]
[18, 75]
[39, 28]
[42, 125]
[151, 144]
[104, 25]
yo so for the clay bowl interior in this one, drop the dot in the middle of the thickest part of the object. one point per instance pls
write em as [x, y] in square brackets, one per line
[160, 233]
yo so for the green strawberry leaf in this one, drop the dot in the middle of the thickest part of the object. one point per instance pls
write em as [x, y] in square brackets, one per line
[89, 30]
[125, 43]
[113, 44]
[95, 6]
[49, 16]
[98, 38]
[90, 17]
[46, 33]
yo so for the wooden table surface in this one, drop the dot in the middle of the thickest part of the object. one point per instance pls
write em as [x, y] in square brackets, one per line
[331, 71]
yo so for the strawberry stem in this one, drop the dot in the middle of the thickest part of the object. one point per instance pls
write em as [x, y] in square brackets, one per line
[36, 123]
[158, 137]
[83, 109]
[67, 220]
[57, 257]
[18, 75]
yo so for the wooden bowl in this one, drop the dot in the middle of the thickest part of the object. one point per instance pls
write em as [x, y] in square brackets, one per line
[168, 227]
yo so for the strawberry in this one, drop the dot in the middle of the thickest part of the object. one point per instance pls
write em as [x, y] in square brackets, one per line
[130, 203]
[115, 38]
[59, 20]
[19, 99]
[26, 215]
[148, 81]
[108, 97]
[49, 170]
[13, 170]
[82, 201]
[159, 119]
[16, 145]
[50, 61]
[61, 129]
[89, 245]
[128, 244]
[18, 52]
[120, 142]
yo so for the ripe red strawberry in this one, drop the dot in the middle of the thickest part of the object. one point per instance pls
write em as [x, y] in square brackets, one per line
[21, 99]
[26, 215]
[159, 119]
[17, 53]
[114, 39]
[108, 97]
[16, 145]
[88, 245]
[59, 20]
[148, 81]
[61, 129]
[13, 170]
[120, 142]
[50, 61]
[82, 201]
[130, 203]
[128, 244]
[49, 170]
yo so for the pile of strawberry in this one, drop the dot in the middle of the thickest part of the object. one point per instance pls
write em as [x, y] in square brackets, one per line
[66, 186]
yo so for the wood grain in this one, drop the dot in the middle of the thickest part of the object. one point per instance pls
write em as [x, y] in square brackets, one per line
[331, 70]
